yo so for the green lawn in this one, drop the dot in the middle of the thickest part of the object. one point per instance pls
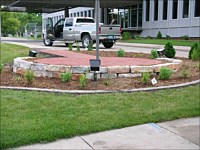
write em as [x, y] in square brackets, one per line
[34, 117]
[10, 51]
[163, 41]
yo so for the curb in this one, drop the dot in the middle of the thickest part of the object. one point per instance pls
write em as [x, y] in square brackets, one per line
[103, 91]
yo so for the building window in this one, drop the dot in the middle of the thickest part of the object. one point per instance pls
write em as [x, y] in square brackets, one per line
[147, 9]
[174, 9]
[85, 13]
[74, 14]
[185, 8]
[89, 13]
[156, 10]
[197, 8]
[140, 16]
[77, 14]
[81, 14]
[165, 3]
[134, 16]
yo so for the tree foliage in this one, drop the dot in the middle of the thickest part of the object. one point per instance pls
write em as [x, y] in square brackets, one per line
[15, 22]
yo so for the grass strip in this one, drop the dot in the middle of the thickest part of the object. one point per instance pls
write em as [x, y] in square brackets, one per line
[39, 117]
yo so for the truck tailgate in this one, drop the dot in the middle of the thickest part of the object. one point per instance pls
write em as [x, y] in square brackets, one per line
[110, 30]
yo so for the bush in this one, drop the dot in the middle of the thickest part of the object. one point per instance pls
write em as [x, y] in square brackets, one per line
[168, 37]
[66, 76]
[145, 77]
[126, 36]
[159, 35]
[194, 53]
[83, 81]
[154, 54]
[1, 68]
[77, 47]
[169, 50]
[120, 53]
[185, 73]
[137, 37]
[185, 37]
[70, 46]
[165, 73]
[90, 46]
[29, 76]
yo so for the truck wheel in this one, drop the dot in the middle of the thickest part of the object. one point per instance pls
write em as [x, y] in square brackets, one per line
[86, 40]
[47, 42]
[108, 44]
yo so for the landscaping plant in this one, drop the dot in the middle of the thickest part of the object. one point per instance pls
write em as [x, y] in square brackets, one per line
[159, 35]
[154, 54]
[145, 77]
[126, 36]
[29, 76]
[70, 46]
[66, 76]
[169, 50]
[1, 67]
[185, 37]
[185, 73]
[77, 47]
[83, 81]
[120, 53]
[194, 53]
[90, 46]
[165, 73]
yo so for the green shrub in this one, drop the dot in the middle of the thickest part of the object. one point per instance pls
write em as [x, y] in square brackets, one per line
[107, 81]
[169, 50]
[77, 47]
[120, 53]
[29, 76]
[168, 37]
[137, 37]
[159, 35]
[185, 37]
[1, 68]
[70, 46]
[90, 46]
[165, 73]
[145, 77]
[194, 52]
[154, 54]
[185, 73]
[66, 76]
[126, 35]
[83, 81]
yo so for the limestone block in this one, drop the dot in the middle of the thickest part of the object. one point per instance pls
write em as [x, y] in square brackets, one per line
[80, 69]
[106, 76]
[91, 76]
[140, 69]
[118, 69]
[63, 68]
[129, 75]
[38, 67]
[54, 68]
[16, 62]
[25, 64]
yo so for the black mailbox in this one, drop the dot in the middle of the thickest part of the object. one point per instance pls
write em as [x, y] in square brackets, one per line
[32, 53]
[95, 64]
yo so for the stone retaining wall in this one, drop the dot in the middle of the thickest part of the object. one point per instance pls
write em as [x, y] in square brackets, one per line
[44, 70]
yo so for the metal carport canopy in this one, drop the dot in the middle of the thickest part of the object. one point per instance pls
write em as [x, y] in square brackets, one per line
[56, 5]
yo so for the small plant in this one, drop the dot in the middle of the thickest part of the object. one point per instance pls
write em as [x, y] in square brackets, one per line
[165, 73]
[159, 35]
[70, 46]
[66, 76]
[168, 37]
[1, 68]
[154, 54]
[17, 78]
[137, 37]
[169, 50]
[120, 53]
[107, 81]
[29, 76]
[90, 46]
[77, 47]
[185, 73]
[126, 35]
[83, 81]
[194, 53]
[185, 37]
[145, 77]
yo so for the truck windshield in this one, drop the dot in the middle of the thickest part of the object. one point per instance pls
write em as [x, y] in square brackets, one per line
[84, 20]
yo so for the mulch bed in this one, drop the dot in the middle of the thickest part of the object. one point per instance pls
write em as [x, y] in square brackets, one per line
[8, 78]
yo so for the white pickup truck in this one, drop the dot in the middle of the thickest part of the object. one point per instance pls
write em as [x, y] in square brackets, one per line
[80, 29]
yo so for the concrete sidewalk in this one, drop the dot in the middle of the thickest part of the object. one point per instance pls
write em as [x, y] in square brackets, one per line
[178, 134]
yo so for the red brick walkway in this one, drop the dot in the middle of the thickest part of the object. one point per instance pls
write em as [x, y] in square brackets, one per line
[76, 59]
